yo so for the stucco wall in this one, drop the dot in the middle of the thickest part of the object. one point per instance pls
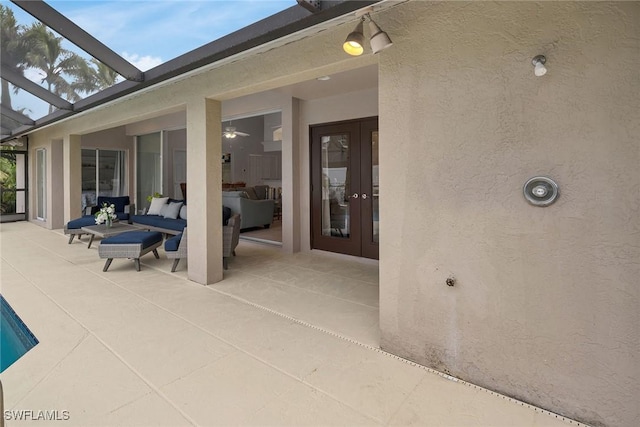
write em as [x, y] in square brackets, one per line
[546, 302]
[545, 306]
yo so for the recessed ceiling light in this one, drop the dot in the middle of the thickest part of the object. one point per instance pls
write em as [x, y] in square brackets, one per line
[323, 78]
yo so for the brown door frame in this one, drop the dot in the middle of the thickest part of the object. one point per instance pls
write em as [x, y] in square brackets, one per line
[370, 249]
[360, 240]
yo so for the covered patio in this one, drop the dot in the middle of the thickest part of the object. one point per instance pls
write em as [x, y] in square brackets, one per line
[538, 302]
[283, 340]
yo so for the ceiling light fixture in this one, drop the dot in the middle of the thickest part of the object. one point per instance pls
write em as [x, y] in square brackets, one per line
[379, 40]
[538, 62]
[230, 132]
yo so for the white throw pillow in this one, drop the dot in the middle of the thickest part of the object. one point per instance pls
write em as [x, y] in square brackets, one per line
[164, 209]
[156, 205]
[183, 212]
[173, 210]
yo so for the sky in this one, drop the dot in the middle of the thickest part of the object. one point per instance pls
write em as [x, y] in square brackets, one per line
[150, 32]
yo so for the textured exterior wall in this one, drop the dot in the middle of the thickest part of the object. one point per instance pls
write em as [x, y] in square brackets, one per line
[546, 303]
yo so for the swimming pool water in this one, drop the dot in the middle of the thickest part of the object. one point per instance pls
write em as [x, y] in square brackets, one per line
[15, 338]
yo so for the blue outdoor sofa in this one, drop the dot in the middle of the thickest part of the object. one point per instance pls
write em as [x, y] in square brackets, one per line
[122, 205]
[170, 222]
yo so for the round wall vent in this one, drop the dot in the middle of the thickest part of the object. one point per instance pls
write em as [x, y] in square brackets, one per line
[540, 191]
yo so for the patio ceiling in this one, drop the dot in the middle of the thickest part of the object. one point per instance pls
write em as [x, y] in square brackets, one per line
[295, 20]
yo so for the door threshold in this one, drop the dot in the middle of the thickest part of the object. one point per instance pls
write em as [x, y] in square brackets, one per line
[362, 260]
[259, 240]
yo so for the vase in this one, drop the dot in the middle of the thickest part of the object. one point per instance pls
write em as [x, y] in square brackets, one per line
[108, 222]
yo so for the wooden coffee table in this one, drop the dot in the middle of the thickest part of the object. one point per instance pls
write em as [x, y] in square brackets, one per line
[103, 231]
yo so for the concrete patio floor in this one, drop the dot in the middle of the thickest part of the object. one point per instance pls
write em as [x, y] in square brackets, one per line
[283, 340]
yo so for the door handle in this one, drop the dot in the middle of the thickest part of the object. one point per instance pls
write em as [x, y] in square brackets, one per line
[354, 196]
[364, 196]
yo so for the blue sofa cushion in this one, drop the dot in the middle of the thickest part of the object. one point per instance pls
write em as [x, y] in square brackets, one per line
[88, 220]
[160, 222]
[146, 238]
[171, 245]
[84, 221]
[119, 202]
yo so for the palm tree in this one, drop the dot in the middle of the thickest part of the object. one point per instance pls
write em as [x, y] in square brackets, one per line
[57, 64]
[14, 49]
[104, 76]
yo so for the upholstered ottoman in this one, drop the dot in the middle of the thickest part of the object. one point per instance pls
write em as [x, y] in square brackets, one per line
[130, 244]
[74, 227]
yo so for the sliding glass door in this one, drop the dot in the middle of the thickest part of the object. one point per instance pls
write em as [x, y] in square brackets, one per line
[41, 184]
[103, 174]
[13, 184]
[148, 167]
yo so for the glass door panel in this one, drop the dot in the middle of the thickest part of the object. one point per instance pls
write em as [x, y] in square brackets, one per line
[370, 189]
[149, 167]
[41, 183]
[103, 174]
[89, 178]
[335, 185]
[21, 184]
[375, 190]
[13, 185]
[111, 173]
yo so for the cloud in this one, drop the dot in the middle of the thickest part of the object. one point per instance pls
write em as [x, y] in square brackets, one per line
[158, 30]
[165, 28]
[143, 63]
[34, 75]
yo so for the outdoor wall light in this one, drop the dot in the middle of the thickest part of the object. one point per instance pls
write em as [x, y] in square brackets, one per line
[379, 40]
[538, 62]
[354, 44]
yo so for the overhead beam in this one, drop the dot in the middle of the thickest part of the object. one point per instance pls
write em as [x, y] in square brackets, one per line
[76, 35]
[14, 115]
[282, 24]
[33, 88]
[312, 6]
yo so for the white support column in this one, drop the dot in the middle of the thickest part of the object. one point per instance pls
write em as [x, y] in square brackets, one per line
[204, 190]
[72, 176]
[290, 177]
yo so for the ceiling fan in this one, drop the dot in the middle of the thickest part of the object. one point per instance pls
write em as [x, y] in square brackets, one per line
[230, 132]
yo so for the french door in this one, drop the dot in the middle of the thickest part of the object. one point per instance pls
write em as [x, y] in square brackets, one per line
[344, 187]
